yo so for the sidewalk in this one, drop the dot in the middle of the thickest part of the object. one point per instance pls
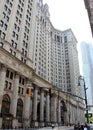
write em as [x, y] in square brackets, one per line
[58, 128]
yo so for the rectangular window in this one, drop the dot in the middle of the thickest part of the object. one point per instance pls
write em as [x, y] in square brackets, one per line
[1, 44]
[6, 84]
[7, 73]
[3, 35]
[11, 75]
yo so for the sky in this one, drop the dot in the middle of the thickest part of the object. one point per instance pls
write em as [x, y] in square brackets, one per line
[72, 14]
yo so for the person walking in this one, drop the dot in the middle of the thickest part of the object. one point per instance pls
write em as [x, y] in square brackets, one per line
[86, 127]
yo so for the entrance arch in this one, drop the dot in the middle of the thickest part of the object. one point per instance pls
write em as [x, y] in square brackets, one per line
[63, 110]
[5, 112]
[19, 112]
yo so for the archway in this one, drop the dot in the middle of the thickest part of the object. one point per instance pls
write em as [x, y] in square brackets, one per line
[63, 110]
[5, 112]
[19, 112]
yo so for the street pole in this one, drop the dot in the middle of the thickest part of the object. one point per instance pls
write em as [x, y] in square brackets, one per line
[86, 101]
[81, 78]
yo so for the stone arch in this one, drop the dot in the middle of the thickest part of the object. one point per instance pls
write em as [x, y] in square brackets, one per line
[19, 112]
[6, 105]
[63, 110]
[7, 117]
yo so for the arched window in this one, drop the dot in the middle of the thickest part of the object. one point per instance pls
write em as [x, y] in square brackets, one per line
[5, 105]
[19, 112]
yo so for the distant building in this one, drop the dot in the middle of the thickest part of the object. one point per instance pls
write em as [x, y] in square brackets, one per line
[87, 69]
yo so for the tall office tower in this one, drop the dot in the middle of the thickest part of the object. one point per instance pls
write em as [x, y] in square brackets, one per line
[89, 7]
[55, 53]
[17, 18]
[34, 56]
[87, 69]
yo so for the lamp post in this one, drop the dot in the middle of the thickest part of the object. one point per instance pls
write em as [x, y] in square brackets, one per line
[82, 78]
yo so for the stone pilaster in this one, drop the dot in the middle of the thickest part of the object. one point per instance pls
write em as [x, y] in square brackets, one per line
[35, 107]
[47, 108]
[14, 99]
[42, 107]
[2, 85]
[53, 108]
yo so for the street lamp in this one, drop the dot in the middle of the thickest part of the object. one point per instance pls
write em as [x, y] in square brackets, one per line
[82, 78]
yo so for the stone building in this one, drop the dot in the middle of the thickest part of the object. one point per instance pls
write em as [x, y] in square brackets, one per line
[36, 69]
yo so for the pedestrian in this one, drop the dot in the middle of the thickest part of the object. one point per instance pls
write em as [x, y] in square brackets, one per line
[86, 127]
[76, 127]
[82, 126]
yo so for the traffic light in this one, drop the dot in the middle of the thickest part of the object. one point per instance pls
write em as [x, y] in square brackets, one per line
[28, 92]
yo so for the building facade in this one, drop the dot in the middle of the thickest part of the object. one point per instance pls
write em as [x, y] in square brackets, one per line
[38, 66]
[55, 53]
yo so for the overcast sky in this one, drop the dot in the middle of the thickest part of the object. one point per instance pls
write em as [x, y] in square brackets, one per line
[72, 14]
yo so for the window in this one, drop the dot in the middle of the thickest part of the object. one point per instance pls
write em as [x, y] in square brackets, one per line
[10, 4]
[7, 73]
[19, 112]
[5, 7]
[65, 39]
[1, 23]
[5, 105]
[1, 44]
[9, 11]
[7, 18]
[3, 35]
[16, 36]
[10, 85]
[15, 45]
[5, 26]
[11, 75]
[13, 34]
[4, 15]
[6, 84]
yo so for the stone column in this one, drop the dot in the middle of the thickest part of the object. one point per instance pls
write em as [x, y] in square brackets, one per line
[35, 107]
[47, 108]
[14, 99]
[42, 107]
[26, 115]
[2, 85]
[53, 108]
